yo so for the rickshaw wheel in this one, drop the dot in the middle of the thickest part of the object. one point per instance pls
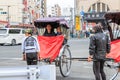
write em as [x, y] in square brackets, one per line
[112, 70]
[65, 62]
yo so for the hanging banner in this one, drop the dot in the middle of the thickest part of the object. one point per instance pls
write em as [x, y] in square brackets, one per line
[77, 23]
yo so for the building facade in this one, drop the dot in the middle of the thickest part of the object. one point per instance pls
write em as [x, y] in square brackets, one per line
[34, 9]
[31, 11]
[11, 10]
[22, 11]
[96, 5]
[56, 10]
[43, 8]
[92, 11]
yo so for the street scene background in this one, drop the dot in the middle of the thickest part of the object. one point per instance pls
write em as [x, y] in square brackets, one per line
[11, 56]
[81, 16]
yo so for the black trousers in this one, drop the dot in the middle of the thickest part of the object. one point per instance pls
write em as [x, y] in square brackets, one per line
[31, 58]
[98, 69]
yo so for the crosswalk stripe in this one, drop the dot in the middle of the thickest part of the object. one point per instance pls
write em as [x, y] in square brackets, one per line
[10, 58]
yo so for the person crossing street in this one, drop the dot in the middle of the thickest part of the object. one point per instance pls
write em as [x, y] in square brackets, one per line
[98, 48]
[30, 48]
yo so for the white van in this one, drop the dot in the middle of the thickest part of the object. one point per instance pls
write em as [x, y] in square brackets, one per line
[11, 36]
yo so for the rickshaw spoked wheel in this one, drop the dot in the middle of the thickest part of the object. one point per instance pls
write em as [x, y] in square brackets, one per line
[65, 62]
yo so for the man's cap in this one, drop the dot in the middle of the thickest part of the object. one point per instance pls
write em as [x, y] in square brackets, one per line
[28, 31]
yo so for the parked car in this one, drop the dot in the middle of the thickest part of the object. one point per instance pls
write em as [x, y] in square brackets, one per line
[11, 36]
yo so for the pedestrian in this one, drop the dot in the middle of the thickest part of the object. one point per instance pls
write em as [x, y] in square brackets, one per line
[30, 48]
[49, 31]
[98, 48]
[87, 33]
[58, 31]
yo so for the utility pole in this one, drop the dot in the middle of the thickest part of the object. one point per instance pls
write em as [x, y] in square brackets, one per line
[42, 8]
[71, 19]
[30, 16]
[8, 15]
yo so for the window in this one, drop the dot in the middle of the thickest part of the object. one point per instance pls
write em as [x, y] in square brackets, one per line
[14, 31]
[3, 12]
[3, 31]
[103, 7]
[23, 31]
[1, 9]
[99, 7]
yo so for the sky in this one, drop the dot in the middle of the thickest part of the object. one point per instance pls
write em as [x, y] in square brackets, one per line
[61, 3]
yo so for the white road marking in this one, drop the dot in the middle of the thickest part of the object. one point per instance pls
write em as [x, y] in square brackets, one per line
[10, 58]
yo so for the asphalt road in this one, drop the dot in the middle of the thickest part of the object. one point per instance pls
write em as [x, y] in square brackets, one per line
[81, 70]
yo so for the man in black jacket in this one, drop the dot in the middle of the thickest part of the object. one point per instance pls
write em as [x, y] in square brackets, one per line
[98, 48]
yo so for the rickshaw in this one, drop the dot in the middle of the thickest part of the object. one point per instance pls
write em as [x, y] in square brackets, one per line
[48, 45]
[112, 20]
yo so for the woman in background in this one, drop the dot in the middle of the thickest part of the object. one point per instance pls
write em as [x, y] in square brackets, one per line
[49, 31]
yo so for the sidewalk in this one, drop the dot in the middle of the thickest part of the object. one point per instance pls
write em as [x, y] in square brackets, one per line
[70, 78]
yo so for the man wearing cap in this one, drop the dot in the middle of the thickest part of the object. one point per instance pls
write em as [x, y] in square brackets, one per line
[30, 48]
[98, 48]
